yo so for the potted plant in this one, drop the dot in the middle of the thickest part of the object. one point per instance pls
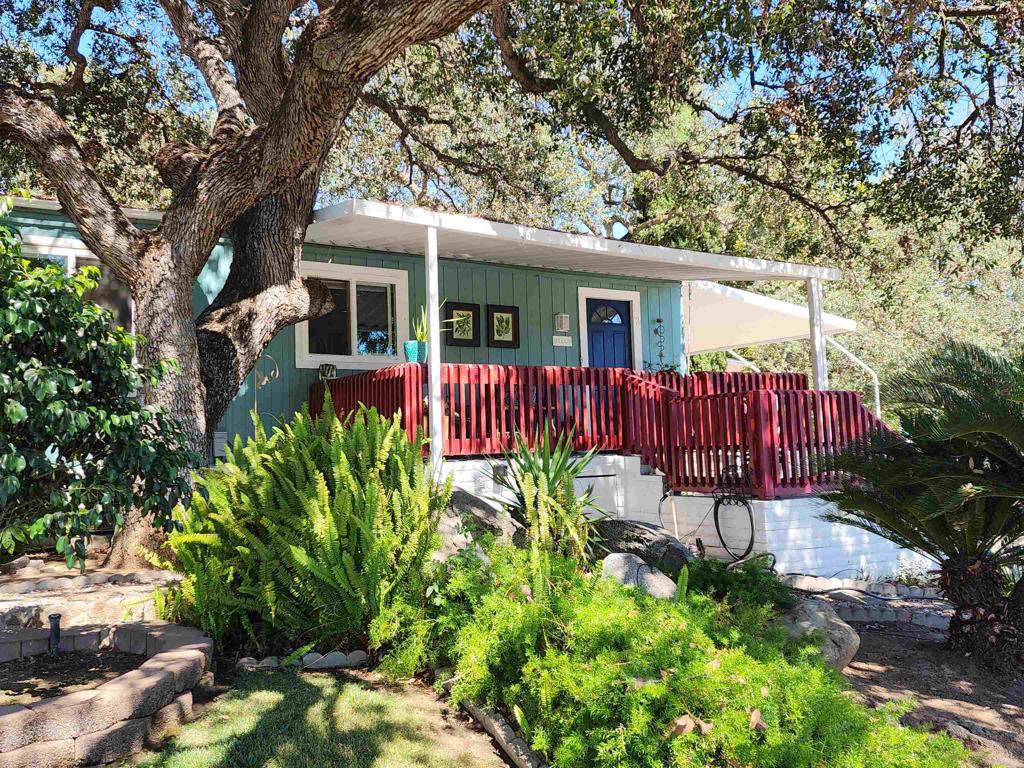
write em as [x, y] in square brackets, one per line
[416, 348]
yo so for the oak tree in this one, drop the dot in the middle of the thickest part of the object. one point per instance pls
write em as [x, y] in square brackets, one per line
[226, 113]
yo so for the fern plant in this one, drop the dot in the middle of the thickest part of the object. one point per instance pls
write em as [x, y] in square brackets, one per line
[321, 532]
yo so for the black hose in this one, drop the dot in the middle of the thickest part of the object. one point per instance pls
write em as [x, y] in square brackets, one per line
[718, 527]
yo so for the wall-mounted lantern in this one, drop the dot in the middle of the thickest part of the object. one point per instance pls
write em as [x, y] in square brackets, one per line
[562, 322]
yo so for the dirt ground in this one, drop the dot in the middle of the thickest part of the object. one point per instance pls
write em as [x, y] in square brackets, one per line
[897, 661]
[33, 678]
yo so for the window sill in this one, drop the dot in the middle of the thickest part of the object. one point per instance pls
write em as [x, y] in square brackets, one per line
[349, 362]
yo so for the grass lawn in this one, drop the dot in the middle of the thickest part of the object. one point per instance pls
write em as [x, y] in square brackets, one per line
[287, 720]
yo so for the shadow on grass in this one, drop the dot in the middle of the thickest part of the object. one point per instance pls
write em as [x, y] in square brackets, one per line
[299, 721]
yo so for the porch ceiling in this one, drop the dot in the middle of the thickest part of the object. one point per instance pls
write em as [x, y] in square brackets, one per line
[400, 228]
[729, 318]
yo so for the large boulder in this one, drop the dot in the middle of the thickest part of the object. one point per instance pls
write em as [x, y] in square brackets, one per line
[626, 568]
[652, 543]
[841, 640]
[468, 517]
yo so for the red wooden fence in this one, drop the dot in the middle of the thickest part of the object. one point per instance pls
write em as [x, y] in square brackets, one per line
[701, 431]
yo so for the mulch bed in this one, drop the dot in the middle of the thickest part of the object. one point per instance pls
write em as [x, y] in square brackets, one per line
[904, 660]
[34, 678]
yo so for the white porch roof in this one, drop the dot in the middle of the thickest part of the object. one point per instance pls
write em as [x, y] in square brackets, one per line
[400, 228]
[726, 318]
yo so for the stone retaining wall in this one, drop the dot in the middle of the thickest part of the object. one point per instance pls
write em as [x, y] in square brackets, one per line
[116, 719]
[879, 602]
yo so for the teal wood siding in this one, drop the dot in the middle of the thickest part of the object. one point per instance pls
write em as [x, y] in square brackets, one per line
[538, 293]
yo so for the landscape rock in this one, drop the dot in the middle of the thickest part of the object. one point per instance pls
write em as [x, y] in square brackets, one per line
[14, 565]
[627, 568]
[841, 640]
[246, 664]
[166, 721]
[332, 660]
[269, 664]
[357, 658]
[652, 543]
[468, 517]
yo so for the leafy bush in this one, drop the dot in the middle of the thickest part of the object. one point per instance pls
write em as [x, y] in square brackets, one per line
[598, 674]
[77, 447]
[542, 483]
[951, 487]
[320, 533]
[748, 584]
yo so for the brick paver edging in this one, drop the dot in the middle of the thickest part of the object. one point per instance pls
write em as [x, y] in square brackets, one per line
[113, 720]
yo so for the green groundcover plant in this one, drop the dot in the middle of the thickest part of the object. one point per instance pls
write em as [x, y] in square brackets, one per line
[318, 535]
[597, 674]
[77, 446]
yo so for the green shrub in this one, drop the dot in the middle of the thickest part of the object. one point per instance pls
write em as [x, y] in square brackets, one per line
[542, 483]
[749, 584]
[599, 674]
[320, 533]
[78, 448]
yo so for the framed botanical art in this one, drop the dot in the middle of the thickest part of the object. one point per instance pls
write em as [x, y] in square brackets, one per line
[462, 324]
[502, 326]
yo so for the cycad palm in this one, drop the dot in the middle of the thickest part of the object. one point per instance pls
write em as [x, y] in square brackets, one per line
[951, 486]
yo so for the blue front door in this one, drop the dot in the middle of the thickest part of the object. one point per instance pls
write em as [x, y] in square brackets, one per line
[609, 334]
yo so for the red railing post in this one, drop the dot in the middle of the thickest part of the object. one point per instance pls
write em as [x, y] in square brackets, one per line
[762, 431]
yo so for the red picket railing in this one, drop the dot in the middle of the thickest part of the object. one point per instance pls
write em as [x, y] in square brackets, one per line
[389, 390]
[487, 405]
[777, 442]
[702, 431]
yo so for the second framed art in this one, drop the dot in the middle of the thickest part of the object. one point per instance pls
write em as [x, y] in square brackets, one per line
[503, 326]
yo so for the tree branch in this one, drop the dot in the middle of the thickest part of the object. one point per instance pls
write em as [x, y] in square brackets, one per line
[106, 231]
[337, 53]
[207, 56]
[71, 49]
[536, 85]
[176, 161]
[514, 63]
[261, 64]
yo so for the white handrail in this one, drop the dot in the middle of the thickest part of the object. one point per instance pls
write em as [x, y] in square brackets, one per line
[742, 360]
[870, 371]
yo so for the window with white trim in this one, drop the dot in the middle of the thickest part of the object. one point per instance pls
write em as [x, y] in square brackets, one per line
[110, 293]
[369, 322]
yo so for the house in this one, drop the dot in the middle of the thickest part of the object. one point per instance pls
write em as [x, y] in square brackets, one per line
[584, 333]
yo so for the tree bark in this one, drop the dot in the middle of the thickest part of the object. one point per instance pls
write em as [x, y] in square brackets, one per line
[164, 318]
[987, 623]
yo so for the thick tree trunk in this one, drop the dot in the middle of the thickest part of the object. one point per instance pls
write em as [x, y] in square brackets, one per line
[986, 623]
[263, 294]
[164, 318]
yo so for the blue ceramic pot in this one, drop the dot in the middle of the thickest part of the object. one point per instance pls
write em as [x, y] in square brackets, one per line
[412, 351]
[421, 355]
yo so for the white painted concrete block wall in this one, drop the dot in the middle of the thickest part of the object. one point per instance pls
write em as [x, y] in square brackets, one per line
[619, 486]
[792, 530]
[789, 528]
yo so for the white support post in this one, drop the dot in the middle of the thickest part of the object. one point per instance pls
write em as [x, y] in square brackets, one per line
[686, 314]
[435, 411]
[819, 363]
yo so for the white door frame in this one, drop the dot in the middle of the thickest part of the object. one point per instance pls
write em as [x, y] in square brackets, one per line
[633, 297]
